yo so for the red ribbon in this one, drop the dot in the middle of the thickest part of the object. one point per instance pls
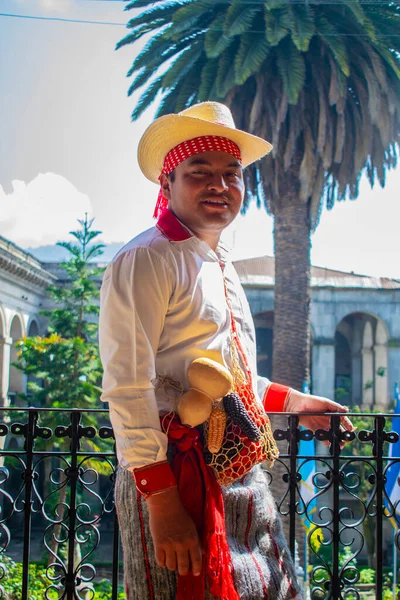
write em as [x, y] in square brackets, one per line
[202, 498]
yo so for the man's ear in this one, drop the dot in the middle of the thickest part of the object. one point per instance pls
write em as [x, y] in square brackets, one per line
[165, 186]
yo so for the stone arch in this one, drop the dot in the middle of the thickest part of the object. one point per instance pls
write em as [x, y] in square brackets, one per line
[33, 328]
[17, 379]
[361, 359]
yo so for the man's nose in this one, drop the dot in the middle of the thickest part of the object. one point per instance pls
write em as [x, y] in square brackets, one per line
[218, 183]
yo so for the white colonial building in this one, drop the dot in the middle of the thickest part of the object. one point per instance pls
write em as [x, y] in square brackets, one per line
[355, 324]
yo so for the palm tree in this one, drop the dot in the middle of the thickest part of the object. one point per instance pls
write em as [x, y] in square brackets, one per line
[320, 79]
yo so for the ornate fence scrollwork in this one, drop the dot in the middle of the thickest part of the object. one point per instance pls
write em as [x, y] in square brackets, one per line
[57, 473]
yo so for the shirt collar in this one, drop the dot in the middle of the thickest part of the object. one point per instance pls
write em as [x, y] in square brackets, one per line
[175, 231]
[172, 228]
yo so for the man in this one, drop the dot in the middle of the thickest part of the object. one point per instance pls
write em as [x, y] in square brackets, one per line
[169, 297]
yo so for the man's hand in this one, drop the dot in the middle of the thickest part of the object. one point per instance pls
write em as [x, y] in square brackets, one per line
[303, 403]
[176, 542]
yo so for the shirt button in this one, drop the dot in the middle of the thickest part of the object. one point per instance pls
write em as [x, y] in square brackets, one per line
[144, 482]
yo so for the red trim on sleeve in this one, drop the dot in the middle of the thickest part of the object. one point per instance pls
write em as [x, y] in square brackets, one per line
[275, 397]
[154, 478]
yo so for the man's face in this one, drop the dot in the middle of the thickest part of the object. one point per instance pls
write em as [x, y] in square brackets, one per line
[206, 192]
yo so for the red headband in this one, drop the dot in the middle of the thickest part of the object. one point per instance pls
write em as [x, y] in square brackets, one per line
[188, 148]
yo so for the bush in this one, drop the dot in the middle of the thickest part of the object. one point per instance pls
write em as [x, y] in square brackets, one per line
[11, 584]
[367, 576]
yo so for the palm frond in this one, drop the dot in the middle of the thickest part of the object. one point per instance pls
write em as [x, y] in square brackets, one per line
[188, 15]
[377, 65]
[316, 198]
[252, 52]
[183, 64]
[292, 69]
[155, 48]
[147, 98]
[225, 80]
[308, 166]
[216, 41]
[302, 26]
[277, 24]
[133, 36]
[168, 102]
[188, 90]
[340, 138]
[142, 77]
[191, 19]
[207, 80]
[334, 43]
[137, 4]
[272, 4]
[161, 12]
[240, 17]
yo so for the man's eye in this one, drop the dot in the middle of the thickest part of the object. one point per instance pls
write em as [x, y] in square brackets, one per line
[233, 174]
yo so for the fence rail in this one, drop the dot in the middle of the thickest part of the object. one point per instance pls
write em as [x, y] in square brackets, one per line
[57, 471]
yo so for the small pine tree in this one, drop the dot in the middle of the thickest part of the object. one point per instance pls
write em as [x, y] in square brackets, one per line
[66, 363]
[66, 370]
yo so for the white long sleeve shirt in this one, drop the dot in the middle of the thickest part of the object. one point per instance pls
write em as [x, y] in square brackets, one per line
[163, 305]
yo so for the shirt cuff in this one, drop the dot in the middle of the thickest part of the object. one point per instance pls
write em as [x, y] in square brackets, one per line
[154, 479]
[275, 397]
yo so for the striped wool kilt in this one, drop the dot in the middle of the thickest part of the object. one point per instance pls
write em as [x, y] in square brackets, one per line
[262, 565]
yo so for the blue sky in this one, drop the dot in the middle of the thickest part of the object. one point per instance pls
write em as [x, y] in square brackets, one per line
[68, 147]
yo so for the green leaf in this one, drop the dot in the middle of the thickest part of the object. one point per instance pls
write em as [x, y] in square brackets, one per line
[137, 4]
[240, 17]
[252, 52]
[134, 35]
[225, 80]
[277, 23]
[207, 80]
[191, 12]
[182, 64]
[140, 80]
[147, 98]
[162, 13]
[328, 33]
[156, 48]
[292, 69]
[302, 28]
[216, 41]
[188, 89]
[168, 103]
[356, 10]
[272, 4]
[190, 20]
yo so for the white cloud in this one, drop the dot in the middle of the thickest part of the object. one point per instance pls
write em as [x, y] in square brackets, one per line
[41, 212]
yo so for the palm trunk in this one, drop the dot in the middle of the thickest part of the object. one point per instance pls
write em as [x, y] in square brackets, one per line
[291, 345]
[291, 341]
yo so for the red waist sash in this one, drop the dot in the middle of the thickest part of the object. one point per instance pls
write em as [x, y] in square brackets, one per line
[202, 498]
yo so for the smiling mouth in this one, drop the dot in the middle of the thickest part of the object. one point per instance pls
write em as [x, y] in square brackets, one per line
[216, 202]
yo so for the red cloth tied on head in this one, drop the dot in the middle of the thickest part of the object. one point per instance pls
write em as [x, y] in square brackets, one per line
[182, 151]
[202, 498]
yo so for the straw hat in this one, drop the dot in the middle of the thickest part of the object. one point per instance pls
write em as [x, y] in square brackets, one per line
[206, 118]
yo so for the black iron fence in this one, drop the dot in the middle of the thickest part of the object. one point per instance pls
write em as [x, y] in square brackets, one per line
[59, 532]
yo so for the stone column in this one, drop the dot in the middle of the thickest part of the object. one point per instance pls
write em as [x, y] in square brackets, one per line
[5, 354]
[323, 368]
[368, 367]
[356, 365]
[323, 376]
[381, 369]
